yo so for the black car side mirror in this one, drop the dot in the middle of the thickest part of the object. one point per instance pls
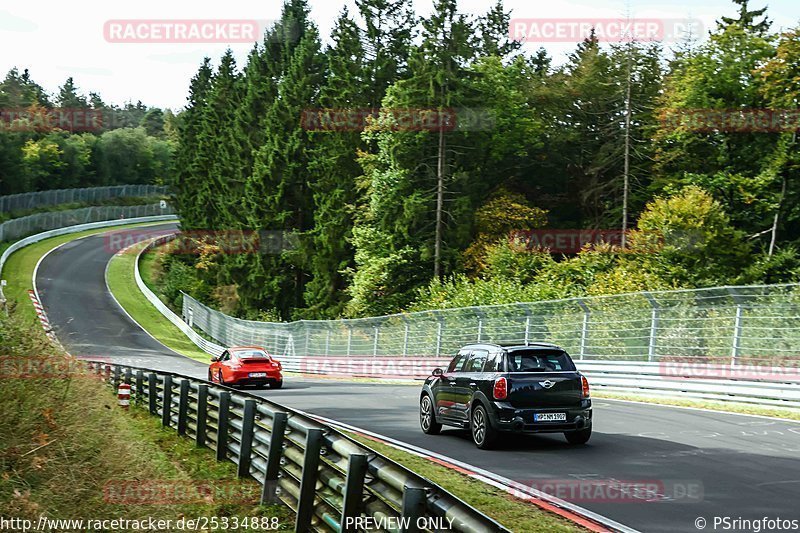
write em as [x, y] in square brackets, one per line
[214, 358]
[437, 372]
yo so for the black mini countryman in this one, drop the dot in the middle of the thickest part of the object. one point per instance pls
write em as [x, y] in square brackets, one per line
[492, 389]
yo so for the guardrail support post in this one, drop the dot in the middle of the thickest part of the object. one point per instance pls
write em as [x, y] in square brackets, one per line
[128, 376]
[268, 493]
[139, 387]
[414, 504]
[166, 406]
[222, 425]
[308, 481]
[246, 447]
[117, 374]
[152, 392]
[353, 492]
[183, 406]
[202, 414]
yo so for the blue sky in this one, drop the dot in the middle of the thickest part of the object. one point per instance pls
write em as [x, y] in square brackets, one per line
[56, 39]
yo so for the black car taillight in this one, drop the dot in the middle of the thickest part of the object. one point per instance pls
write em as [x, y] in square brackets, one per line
[500, 389]
[584, 387]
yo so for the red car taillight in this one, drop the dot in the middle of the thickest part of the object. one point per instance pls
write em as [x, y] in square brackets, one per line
[584, 387]
[500, 389]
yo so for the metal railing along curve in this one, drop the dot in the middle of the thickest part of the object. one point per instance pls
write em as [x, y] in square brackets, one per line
[324, 476]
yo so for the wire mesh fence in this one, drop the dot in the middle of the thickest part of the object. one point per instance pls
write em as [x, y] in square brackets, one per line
[21, 227]
[730, 325]
[35, 200]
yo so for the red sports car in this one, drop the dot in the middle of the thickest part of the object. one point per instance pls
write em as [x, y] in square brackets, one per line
[246, 365]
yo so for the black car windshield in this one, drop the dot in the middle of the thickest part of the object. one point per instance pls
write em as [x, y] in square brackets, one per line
[539, 361]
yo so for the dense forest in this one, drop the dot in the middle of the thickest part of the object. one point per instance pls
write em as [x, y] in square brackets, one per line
[72, 140]
[391, 214]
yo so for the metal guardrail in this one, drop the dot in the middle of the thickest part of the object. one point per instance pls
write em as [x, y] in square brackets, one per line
[33, 200]
[27, 225]
[70, 229]
[324, 476]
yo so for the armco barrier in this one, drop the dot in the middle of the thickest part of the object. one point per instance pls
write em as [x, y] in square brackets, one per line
[72, 229]
[325, 477]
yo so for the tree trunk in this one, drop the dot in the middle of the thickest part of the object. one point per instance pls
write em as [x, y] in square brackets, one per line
[440, 169]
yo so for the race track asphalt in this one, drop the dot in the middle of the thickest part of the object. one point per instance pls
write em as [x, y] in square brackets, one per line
[641, 459]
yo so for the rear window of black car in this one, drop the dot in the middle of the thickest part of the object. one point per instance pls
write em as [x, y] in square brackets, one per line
[539, 361]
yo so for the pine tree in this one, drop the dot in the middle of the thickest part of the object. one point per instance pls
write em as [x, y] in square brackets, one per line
[335, 169]
[277, 192]
[187, 175]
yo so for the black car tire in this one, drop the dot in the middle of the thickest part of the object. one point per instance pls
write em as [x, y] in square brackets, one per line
[578, 437]
[483, 434]
[210, 375]
[427, 418]
[276, 384]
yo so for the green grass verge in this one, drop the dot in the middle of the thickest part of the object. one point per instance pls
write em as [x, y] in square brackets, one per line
[513, 513]
[122, 284]
[69, 452]
[709, 405]
[18, 270]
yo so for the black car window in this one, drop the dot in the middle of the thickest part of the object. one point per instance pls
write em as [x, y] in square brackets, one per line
[539, 361]
[494, 363]
[458, 362]
[476, 361]
[225, 356]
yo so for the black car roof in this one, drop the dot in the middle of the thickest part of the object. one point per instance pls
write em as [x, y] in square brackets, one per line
[529, 346]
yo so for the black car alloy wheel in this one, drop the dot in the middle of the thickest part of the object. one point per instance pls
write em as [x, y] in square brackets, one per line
[427, 420]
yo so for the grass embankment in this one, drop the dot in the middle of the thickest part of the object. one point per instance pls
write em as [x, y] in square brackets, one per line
[122, 284]
[515, 514]
[68, 452]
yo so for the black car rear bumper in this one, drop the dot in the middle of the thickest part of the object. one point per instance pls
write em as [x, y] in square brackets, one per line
[505, 417]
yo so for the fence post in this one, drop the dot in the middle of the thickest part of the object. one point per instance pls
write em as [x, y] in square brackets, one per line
[166, 407]
[222, 425]
[327, 341]
[183, 406]
[439, 326]
[375, 340]
[308, 481]
[308, 332]
[405, 336]
[737, 326]
[480, 316]
[414, 504]
[654, 318]
[246, 447]
[349, 340]
[139, 387]
[152, 392]
[584, 327]
[353, 492]
[268, 492]
[202, 414]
